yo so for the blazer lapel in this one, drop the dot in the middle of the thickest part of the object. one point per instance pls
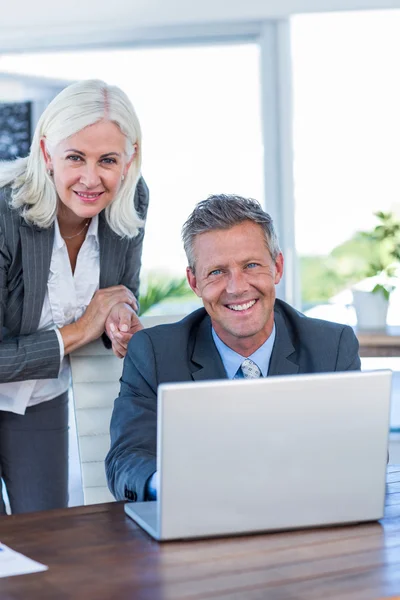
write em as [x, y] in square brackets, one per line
[36, 250]
[207, 363]
[280, 363]
[112, 254]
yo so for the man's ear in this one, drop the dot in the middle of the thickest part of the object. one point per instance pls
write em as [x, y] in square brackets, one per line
[278, 268]
[192, 280]
[46, 155]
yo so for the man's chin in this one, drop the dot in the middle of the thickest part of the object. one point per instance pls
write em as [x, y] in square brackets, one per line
[242, 332]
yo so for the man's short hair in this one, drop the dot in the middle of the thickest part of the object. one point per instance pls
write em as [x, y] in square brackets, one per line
[224, 211]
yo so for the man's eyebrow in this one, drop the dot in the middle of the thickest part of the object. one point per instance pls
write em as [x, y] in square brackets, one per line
[220, 266]
[215, 268]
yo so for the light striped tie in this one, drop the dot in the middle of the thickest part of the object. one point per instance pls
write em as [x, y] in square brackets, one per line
[249, 369]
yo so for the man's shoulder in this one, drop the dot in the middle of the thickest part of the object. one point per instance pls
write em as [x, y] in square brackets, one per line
[174, 333]
[164, 351]
[298, 321]
[315, 345]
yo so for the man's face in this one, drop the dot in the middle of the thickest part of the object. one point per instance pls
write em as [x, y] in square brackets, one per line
[236, 277]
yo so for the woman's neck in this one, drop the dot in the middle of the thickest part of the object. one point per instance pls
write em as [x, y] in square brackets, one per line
[71, 224]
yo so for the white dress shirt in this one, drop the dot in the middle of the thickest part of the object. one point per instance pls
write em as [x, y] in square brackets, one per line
[67, 297]
[232, 360]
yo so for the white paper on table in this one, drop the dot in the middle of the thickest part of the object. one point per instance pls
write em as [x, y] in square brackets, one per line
[14, 563]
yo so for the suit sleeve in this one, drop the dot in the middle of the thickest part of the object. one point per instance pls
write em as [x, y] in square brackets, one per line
[35, 356]
[348, 358]
[132, 456]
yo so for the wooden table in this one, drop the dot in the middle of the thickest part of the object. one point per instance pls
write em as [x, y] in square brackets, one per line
[96, 552]
[379, 343]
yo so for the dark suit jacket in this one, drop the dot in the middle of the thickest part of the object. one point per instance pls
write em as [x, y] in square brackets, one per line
[185, 351]
[25, 256]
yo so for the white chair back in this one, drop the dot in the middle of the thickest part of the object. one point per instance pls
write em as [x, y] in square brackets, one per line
[95, 382]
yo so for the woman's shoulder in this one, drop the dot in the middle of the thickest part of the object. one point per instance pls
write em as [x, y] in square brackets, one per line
[8, 214]
[5, 195]
[141, 199]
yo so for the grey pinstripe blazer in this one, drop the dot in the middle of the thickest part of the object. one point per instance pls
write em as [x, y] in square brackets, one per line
[25, 255]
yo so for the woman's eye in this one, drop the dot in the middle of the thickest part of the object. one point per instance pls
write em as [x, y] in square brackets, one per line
[109, 161]
[74, 158]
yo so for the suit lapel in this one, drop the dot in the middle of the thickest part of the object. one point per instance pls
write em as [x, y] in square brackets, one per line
[280, 363]
[112, 254]
[36, 250]
[207, 363]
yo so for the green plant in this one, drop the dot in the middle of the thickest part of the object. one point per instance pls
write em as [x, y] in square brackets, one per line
[371, 253]
[386, 234]
[158, 289]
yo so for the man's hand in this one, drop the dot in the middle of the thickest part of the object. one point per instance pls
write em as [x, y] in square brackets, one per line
[121, 324]
[91, 324]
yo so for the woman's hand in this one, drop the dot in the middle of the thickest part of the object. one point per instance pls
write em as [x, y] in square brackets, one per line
[91, 325]
[121, 324]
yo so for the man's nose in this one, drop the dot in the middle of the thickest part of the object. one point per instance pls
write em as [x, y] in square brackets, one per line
[237, 282]
[90, 176]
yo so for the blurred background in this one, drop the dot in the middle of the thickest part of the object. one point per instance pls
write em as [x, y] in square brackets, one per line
[295, 108]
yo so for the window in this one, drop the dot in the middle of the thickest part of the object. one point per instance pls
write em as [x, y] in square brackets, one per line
[199, 107]
[346, 140]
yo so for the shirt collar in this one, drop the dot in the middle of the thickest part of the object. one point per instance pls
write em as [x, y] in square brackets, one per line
[93, 231]
[232, 360]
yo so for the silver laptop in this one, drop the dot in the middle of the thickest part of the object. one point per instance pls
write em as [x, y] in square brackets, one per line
[269, 454]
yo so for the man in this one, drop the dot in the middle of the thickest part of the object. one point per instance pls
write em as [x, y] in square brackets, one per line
[242, 331]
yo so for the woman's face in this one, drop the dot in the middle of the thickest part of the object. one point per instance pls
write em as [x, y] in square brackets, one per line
[88, 168]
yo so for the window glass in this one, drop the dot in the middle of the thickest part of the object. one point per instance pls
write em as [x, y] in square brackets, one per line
[346, 146]
[199, 107]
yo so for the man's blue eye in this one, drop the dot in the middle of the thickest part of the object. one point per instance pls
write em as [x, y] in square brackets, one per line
[216, 272]
[251, 265]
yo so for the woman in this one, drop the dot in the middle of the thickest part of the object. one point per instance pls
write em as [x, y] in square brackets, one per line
[70, 253]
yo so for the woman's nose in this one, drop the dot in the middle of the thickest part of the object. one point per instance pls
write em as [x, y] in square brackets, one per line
[90, 176]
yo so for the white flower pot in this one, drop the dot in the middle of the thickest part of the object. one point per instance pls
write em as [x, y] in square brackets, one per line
[371, 309]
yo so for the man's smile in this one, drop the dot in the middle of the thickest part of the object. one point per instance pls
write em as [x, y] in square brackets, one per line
[241, 307]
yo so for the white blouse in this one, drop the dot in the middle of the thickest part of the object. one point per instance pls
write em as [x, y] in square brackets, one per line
[67, 297]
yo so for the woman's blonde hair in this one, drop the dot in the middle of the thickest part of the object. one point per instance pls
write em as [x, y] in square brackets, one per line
[76, 107]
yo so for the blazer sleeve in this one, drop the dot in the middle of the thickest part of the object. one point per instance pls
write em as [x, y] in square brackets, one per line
[132, 457]
[35, 356]
[133, 262]
[133, 259]
[347, 357]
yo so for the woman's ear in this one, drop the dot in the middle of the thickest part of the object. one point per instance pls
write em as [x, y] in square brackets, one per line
[46, 155]
[130, 161]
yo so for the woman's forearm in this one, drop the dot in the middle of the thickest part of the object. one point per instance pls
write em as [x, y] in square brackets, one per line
[74, 336]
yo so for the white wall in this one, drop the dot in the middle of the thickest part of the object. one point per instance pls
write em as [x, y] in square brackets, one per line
[45, 23]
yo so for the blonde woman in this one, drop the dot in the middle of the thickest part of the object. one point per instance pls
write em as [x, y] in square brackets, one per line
[71, 235]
